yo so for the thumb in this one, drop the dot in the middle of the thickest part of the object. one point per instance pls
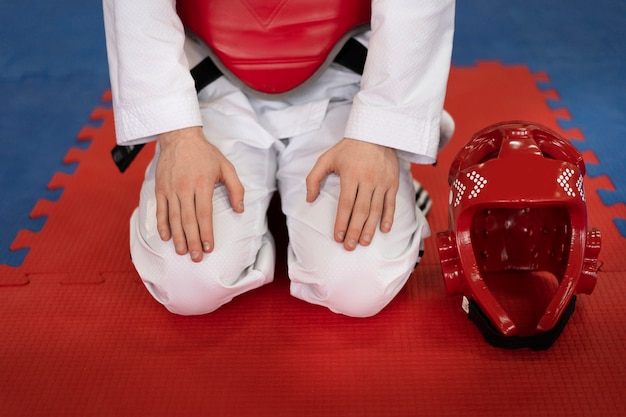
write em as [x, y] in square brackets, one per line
[320, 170]
[234, 187]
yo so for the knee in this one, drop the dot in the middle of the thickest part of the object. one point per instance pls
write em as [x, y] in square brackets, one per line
[188, 288]
[356, 286]
[188, 292]
[366, 302]
[363, 290]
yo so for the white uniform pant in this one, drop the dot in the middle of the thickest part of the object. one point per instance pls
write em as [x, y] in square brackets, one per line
[250, 133]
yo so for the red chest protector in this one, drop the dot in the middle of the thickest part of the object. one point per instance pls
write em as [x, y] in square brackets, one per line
[274, 46]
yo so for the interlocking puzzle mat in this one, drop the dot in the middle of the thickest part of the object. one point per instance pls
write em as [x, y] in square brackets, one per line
[81, 336]
[580, 44]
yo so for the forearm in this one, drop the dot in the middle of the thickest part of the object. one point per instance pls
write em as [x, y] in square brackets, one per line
[153, 91]
[404, 82]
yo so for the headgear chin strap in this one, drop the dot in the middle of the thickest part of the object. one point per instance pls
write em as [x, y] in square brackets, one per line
[517, 203]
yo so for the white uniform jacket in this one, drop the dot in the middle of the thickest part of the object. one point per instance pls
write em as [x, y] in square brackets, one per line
[402, 88]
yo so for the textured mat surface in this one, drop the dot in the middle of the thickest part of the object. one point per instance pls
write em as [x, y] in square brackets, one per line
[53, 70]
[581, 45]
[81, 336]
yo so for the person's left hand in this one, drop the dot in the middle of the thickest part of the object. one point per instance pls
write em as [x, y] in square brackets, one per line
[369, 178]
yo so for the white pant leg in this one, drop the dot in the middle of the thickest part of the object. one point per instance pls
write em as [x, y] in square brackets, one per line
[244, 254]
[358, 283]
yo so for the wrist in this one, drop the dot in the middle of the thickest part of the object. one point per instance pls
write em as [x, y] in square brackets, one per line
[167, 138]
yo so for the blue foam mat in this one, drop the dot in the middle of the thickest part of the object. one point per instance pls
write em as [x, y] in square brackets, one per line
[53, 72]
[581, 46]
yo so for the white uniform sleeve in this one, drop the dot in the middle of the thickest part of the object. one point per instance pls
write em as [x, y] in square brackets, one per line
[153, 91]
[405, 77]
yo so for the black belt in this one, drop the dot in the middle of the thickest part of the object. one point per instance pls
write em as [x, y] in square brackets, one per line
[352, 56]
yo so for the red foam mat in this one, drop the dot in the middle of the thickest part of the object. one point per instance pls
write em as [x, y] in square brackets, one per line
[82, 337]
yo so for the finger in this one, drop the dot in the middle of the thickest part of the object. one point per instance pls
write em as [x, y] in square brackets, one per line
[204, 215]
[345, 205]
[374, 216]
[389, 210]
[162, 215]
[233, 185]
[358, 217]
[191, 228]
[176, 226]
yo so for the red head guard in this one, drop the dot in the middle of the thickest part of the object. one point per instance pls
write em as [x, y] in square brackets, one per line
[517, 203]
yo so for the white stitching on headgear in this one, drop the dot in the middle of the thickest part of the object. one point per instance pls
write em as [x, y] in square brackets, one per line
[460, 190]
[563, 181]
[479, 184]
[581, 189]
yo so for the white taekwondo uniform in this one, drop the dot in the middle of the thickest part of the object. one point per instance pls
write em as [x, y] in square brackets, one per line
[273, 144]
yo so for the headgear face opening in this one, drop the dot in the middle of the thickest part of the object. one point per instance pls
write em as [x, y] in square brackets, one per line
[517, 203]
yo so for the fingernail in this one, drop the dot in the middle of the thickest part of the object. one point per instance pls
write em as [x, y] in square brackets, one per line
[351, 243]
[195, 255]
[341, 236]
[367, 238]
[386, 226]
[206, 246]
[163, 234]
[240, 206]
[180, 248]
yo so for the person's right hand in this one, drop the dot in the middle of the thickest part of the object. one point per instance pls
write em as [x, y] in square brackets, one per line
[187, 170]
